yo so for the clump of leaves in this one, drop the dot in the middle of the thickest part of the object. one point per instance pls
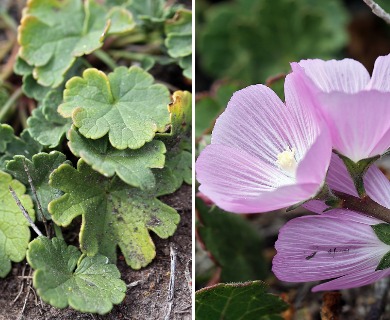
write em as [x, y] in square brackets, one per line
[128, 136]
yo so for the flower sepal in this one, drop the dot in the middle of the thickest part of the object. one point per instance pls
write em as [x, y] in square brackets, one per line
[382, 231]
[357, 171]
[384, 263]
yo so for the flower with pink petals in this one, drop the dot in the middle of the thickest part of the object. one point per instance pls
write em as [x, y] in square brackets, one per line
[265, 155]
[339, 245]
[355, 106]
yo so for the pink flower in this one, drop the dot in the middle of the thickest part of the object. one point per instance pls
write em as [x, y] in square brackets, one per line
[265, 155]
[340, 244]
[355, 107]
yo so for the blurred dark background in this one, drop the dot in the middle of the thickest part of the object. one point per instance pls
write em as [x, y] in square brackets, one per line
[248, 41]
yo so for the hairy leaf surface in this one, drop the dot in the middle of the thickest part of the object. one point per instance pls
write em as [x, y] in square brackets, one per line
[14, 228]
[132, 166]
[245, 301]
[114, 214]
[11, 145]
[63, 277]
[53, 33]
[40, 168]
[126, 105]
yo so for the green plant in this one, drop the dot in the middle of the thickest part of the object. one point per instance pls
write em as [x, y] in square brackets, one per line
[129, 135]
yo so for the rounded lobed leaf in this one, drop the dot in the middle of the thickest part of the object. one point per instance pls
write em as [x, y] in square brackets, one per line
[62, 277]
[126, 105]
[114, 214]
[132, 166]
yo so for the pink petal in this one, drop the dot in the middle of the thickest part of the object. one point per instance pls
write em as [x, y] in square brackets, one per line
[381, 75]
[346, 75]
[357, 279]
[257, 121]
[377, 186]
[307, 133]
[238, 182]
[338, 177]
[326, 246]
[359, 123]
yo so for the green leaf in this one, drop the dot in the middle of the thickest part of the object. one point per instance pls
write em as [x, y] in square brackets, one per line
[53, 33]
[179, 38]
[121, 20]
[113, 214]
[21, 67]
[47, 133]
[382, 230]
[40, 168]
[46, 125]
[125, 104]
[179, 34]
[14, 227]
[132, 166]
[150, 12]
[10, 145]
[33, 89]
[244, 301]
[384, 263]
[63, 277]
[181, 166]
[231, 240]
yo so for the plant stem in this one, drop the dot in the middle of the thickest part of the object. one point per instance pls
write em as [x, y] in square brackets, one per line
[24, 211]
[106, 58]
[34, 191]
[58, 232]
[10, 103]
[364, 205]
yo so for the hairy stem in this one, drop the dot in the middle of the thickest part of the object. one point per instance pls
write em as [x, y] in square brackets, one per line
[10, 103]
[364, 205]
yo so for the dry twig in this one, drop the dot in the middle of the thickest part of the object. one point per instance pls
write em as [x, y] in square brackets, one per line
[378, 11]
[171, 288]
[24, 211]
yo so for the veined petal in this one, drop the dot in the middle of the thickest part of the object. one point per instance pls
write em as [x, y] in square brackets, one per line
[238, 182]
[345, 75]
[377, 186]
[357, 279]
[258, 122]
[336, 244]
[381, 74]
[359, 123]
[253, 162]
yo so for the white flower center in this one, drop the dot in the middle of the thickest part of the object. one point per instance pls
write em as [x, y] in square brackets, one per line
[286, 160]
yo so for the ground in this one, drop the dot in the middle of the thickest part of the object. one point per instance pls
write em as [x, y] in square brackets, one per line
[147, 293]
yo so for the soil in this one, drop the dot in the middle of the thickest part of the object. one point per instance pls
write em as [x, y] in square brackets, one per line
[147, 293]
